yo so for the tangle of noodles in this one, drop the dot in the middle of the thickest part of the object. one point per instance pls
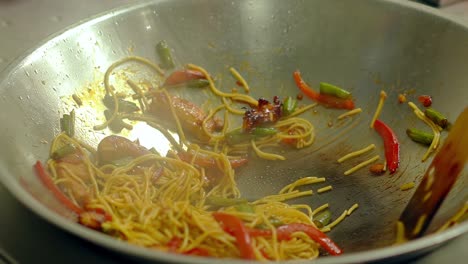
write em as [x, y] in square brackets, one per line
[163, 202]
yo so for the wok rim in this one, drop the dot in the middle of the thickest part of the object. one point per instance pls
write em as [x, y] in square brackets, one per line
[416, 247]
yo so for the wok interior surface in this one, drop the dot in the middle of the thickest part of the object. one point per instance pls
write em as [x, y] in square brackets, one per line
[363, 46]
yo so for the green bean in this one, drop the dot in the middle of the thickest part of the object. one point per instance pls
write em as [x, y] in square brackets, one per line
[198, 83]
[289, 106]
[245, 208]
[63, 151]
[275, 221]
[264, 131]
[322, 219]
[67, 123]
[223, 201]
[436, 117]
[330, 89]
[164, 53]
[420, 136]
[124, 105]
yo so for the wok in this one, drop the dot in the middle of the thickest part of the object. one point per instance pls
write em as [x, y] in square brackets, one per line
[362, 45]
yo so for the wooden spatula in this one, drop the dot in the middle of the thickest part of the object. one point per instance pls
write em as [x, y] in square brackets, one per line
[438, 179]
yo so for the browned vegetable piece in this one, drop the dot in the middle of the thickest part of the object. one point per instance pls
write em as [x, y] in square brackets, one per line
[265, 113]
[401, 98]
[377, 169]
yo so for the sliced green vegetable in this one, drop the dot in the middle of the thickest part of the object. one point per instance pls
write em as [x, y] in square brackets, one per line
[63, 151]
[67, 123]
[198, 83]
[165, 55]
[330, 89]
[420, 136]
[436, 117]
[245, 208]
[223, 201]
[275, 221]
[322, 219]
[289, 106]
[264, 131]
[237, 135]
[124, 105]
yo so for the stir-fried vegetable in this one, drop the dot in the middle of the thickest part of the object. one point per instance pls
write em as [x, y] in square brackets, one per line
[264, 114]
[49, 184]
[63, 151]
[165, 55]
[284, 232]
[235, 227]
[322, 219]
[420, 136]
[199, 83]
[94, 218]
[330, 89]
[324, 99]
[237, 135]
[377, 168]
[391, 145]
[67, 123]
[436, 117]
[245, 208]
[289, 106]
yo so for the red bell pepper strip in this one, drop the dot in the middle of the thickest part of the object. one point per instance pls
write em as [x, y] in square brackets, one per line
[174, 244]
[94, 218]
[183, 76]
[284, 232]
[47, 181]
[324, 99]
[235, 227]
[391, 145]
[208, 162]
[197, 252]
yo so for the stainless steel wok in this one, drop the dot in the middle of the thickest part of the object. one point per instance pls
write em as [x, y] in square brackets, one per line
[363, 45]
